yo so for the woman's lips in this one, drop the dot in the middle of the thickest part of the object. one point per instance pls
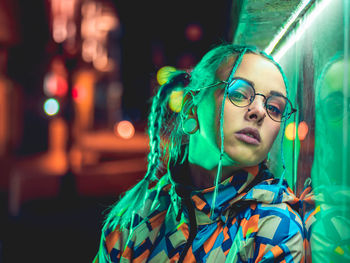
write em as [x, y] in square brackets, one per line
[249, 135]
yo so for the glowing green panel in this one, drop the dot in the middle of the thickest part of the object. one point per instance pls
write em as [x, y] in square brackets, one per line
[318, 67]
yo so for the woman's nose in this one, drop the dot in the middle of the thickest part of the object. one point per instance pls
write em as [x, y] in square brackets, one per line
[256, 110]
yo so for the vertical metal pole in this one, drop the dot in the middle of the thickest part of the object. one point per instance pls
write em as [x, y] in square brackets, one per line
[346, 87]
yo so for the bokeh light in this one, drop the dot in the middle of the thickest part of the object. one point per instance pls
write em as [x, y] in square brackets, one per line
[79, 93]
[55, 85]
[51, 107]
[164, 73]
[186, 61]
[303, 130]
[175, 100]
[290, 131]
[194, 32]
[124, 129]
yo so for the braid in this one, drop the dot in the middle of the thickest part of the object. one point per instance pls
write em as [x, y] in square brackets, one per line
[123, 212]
[156, 117]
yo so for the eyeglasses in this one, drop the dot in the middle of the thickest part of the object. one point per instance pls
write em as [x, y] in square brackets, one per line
[241, 93]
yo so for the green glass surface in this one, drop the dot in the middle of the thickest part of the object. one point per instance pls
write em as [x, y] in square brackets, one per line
[318, 68]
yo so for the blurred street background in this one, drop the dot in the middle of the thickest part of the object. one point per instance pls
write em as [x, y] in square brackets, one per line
[76, 79]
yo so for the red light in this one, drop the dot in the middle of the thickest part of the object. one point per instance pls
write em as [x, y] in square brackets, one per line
[55, 85]
[194, 32]
[62, 87]
[75, 93]
[78, 93]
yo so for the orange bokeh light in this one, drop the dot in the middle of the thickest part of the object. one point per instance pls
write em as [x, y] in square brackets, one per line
[303, 130]
[124, 129]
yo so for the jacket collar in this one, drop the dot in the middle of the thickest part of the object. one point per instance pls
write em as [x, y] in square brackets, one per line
[231, 190]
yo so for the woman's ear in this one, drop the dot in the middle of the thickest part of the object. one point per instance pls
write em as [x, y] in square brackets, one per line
[190, 110]
[190, 123]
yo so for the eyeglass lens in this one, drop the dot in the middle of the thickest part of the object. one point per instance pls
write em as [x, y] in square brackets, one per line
[241, 93]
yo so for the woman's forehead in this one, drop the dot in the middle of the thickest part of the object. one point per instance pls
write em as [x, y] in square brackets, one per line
[257, 69]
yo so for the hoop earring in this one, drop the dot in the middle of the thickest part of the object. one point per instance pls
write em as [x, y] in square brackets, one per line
[190, 125]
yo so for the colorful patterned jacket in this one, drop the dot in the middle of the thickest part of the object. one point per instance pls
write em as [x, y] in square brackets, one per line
[253, 221]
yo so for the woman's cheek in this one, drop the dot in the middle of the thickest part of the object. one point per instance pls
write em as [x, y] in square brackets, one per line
[273, 132]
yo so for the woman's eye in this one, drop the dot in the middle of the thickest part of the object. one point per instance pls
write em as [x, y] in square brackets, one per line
[238, 96]
[274, 110]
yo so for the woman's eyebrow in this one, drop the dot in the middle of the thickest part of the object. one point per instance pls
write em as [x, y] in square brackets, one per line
[247, 80]
[272, 92]
[276, 93]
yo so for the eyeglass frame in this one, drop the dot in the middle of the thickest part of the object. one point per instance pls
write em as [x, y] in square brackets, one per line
[293, 110]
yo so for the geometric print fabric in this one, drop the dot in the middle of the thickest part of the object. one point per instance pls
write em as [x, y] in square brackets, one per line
[246, 227]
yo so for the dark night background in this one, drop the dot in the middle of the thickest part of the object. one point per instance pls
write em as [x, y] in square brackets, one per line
[66, 227]
[157, 26]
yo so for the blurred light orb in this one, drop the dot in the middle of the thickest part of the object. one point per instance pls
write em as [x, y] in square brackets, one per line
[79, 93]
[55, 85]
[290, 131]
[186, 61]
[75, 93]
[164, 74]
[51, 107]
[124, 129]
[175, 100]
[303, 130]
[194, 32]
[59, 29]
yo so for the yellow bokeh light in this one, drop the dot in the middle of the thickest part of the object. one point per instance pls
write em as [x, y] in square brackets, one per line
[290, 131]
[175, 100]
[164, 73]
[339, 250]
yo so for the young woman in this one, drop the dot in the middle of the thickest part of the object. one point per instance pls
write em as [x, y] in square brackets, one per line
[217, 201]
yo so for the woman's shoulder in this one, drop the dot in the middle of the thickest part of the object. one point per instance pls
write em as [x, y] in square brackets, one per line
[276, 200]
[143, 225]
[283, 213]
[273, 212]
[157, 201]
[121, 243]
[276, 231]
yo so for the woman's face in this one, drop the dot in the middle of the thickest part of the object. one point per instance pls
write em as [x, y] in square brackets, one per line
[238, 144]
[239, 122]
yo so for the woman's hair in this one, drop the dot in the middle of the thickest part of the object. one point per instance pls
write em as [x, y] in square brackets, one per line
[168, 143]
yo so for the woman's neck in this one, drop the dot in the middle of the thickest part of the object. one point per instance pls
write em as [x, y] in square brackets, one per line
[202, 178]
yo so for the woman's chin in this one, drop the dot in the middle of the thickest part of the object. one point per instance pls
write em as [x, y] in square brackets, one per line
[243, 160]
